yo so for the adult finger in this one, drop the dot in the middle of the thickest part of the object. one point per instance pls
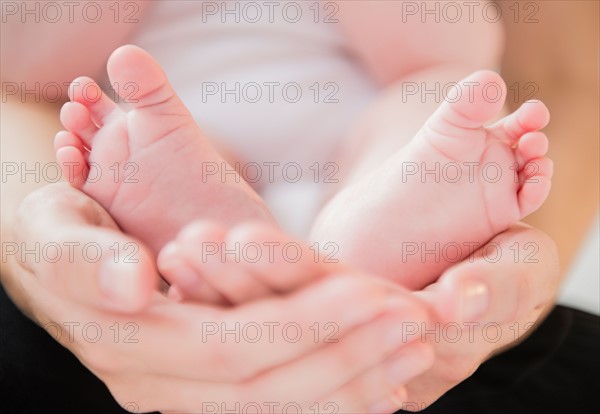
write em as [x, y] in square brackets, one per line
[329, 377]
[74, 248]
[236, 344]
[381, 388]
[514, 274]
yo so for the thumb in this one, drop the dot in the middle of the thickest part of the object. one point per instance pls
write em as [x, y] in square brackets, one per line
[75, 250]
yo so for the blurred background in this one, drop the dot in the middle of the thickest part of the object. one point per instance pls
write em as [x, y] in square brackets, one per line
[581, 289]
[559, 51]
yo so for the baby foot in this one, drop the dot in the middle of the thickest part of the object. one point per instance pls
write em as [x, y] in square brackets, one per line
[150, 166]
[209, 263]
[451, 189]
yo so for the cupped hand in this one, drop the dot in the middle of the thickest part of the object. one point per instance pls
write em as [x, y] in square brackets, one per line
[331, 345]
[485, 304]
[482, 305]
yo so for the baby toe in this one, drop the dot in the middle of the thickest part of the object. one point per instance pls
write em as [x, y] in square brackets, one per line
[74, 167]
[531, 145]
[535, 182]
[76, 118]
[87, 92]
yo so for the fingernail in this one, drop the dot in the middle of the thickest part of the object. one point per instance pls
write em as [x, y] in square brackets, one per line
[175, 294]
[475, 300]
[168, 253]
[176, 270]
[391, 404]
[400, 396]
[118, 281]
[386, 406]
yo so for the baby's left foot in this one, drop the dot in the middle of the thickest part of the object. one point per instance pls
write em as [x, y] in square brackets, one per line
[451, 189]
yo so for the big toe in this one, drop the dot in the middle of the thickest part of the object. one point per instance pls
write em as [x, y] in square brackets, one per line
[140, 80]
[456, 127]
[473, 101]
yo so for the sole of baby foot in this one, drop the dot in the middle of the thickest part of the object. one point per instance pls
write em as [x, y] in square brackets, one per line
[452, 188]
[149, 165]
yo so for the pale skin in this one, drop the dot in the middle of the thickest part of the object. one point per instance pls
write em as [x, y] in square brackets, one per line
[371, 220]
[532, 61]
[56, 292]
[472, 362]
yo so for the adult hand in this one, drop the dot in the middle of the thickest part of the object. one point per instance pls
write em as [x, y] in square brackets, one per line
[487, 303]
[330, 346]
[483, 304]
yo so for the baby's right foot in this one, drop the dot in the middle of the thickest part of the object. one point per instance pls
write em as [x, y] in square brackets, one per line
[150, 167]
[456, 185]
